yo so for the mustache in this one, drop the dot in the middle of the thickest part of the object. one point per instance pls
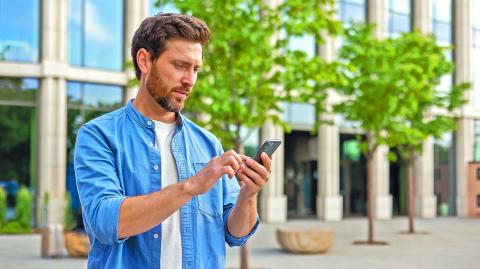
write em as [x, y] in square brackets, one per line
[182, 89]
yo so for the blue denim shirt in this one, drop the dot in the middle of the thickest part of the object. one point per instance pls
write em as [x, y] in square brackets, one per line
[116, 157]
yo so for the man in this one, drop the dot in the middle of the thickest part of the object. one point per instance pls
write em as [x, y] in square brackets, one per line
[157, 191]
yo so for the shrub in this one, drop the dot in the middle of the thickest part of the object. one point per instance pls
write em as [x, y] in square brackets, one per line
[23, 209]
[69, 218]
[3, 207]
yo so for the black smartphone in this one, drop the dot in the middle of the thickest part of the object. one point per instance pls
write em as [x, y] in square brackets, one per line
[268, 147]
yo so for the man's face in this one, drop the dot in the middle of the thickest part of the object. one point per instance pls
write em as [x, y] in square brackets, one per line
[174, 73]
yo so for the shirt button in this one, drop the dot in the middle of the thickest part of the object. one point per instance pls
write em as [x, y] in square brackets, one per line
[155, 167]
[150, 144]
[149, 122]
[155, 236]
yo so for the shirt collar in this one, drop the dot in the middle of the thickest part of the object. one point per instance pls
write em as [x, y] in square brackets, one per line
[146, 122]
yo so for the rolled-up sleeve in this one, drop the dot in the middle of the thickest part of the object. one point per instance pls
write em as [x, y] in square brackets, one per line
[100, 190]
[235, 241]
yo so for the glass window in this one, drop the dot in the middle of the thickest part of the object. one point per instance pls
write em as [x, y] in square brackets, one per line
[19, 30]
[442, 10]
[164, 8]
[476, 141]
[476, 51]
[399, 17]
[299, 113]
[442, 29]
[305, 44]
[442, 20]
[95, 34]
[18, 127]
[444, 168]
[352, 11]
[87, 101]
[475, 11]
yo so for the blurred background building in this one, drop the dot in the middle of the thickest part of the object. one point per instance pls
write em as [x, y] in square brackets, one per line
[62, 64]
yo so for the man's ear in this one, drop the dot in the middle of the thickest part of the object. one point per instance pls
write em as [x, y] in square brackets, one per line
[143, 60]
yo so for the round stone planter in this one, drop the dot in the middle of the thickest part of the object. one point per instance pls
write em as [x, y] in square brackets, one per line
[305, 241]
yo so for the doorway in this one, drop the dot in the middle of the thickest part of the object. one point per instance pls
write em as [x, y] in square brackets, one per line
[301, 178]
[353, 176]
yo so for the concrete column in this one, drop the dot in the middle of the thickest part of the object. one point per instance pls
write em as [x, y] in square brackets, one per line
[376, 13]
[136, 12]
[422, 16]
[52, 152]
[463, 155]
[425, 200]
[464, 142]
[329, 201]
[273, 207]
[52, 115]
[381, 177]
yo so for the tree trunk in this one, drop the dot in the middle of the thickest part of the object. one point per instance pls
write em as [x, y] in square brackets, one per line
[370, 193]
[410, 192]
[244, 257]
[243, 249]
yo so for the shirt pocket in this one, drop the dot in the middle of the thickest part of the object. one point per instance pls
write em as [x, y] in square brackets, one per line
[210, 203]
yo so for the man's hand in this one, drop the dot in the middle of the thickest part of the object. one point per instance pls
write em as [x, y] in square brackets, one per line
[203, 181]
[253, 175]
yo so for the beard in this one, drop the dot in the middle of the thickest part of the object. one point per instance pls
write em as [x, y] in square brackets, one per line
[162, 95]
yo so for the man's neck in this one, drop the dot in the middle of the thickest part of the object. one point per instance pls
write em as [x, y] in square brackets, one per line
[147, 106]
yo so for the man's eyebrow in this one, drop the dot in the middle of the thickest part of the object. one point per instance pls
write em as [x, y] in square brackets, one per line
[185, 62]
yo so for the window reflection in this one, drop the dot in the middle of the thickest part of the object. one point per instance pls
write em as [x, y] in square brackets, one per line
[399, 17]
[476, 141]
[18, 127]
[95, 34]
[444, 167]
[19, 30]
[303, 43]
[352, 11]
[85, 102]
[476, 52]
[299, 113]
[442, 10]
[442, 29]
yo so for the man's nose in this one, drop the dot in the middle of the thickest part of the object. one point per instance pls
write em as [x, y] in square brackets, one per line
[188, 80]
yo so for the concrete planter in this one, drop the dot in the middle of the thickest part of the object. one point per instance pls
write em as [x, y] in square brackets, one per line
[306, 241]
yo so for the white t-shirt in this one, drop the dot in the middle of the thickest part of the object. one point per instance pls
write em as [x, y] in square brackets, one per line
[171, 248]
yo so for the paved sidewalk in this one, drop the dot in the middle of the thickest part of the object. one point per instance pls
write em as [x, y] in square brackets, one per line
[451, 243]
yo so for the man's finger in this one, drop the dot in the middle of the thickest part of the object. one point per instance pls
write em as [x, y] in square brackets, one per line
[253, 176]
[266, 161]
[260, 169]
[234, 154]
[229, 171]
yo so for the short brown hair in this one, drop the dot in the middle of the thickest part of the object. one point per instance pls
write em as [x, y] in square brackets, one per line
[155, 31]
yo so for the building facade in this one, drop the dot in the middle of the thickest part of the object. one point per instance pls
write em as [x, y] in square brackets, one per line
[62, 64]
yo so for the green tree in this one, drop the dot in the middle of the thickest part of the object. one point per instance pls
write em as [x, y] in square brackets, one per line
[390, 86]
[417, 84]
[249, 67]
